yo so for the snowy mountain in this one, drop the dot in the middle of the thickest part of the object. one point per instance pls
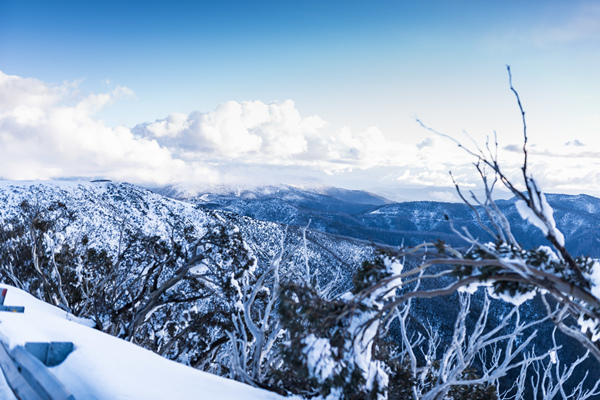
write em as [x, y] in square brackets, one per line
[576, 216]
[367, 217]
[296, 193]
[100, 211]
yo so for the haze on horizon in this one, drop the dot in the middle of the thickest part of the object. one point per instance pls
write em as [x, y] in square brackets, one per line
[271, 92]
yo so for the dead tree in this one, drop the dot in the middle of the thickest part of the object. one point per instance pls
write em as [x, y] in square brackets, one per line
[511, 270]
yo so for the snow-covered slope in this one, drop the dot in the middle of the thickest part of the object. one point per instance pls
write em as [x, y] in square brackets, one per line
[103, 367]
[100, 210]
[290, 192]
[115, 253]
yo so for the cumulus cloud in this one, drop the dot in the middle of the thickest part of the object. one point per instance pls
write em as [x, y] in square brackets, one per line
[43, 136]
[250, 130]
[51, 131]
[276, 134]
[16, 91]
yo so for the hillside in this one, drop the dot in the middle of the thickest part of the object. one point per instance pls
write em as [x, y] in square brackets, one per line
[171, 276]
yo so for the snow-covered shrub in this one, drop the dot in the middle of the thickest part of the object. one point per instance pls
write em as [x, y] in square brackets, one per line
[33, 251]
[333, 343]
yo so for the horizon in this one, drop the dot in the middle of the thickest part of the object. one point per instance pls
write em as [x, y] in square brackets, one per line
[295, 92]
[187, 191]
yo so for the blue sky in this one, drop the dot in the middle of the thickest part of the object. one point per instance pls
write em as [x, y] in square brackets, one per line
[354, 65]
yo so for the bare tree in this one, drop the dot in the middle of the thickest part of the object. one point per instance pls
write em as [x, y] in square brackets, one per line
[495, 349]
[257, 327]
[30, 242]
[511, 270]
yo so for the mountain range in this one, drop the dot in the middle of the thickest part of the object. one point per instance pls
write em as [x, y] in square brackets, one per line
[372, 218]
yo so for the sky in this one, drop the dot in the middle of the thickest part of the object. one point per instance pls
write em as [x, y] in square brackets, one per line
[286, 91]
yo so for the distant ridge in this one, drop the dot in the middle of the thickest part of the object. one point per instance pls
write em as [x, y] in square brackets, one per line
[190, 191]
[365, 216]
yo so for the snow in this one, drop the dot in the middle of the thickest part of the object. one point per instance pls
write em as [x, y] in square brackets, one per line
[517, 299]
[590, 324]
[527, 214]
[548, 213]
[104, 367]
[319, 357]
[323, 360]
[103, 209]
[553, 357]
[549, 216]
[472, 288]
[552, 257]
[393, 266]
[594, 279]
[364, 329]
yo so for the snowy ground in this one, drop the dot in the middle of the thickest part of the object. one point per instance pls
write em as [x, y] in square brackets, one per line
[104, 367]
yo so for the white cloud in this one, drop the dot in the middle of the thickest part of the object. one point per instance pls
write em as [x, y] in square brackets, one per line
[51, 131]
[250, 130]
[274, 134]
[367, 149]
[16, 91]
[42, 137]
[170, 127]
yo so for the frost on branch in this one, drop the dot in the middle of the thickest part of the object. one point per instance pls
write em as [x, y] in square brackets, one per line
[332, 343]
[547, 224]
[514, 272]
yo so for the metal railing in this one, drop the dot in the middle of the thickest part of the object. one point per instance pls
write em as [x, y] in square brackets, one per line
[27, 374]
